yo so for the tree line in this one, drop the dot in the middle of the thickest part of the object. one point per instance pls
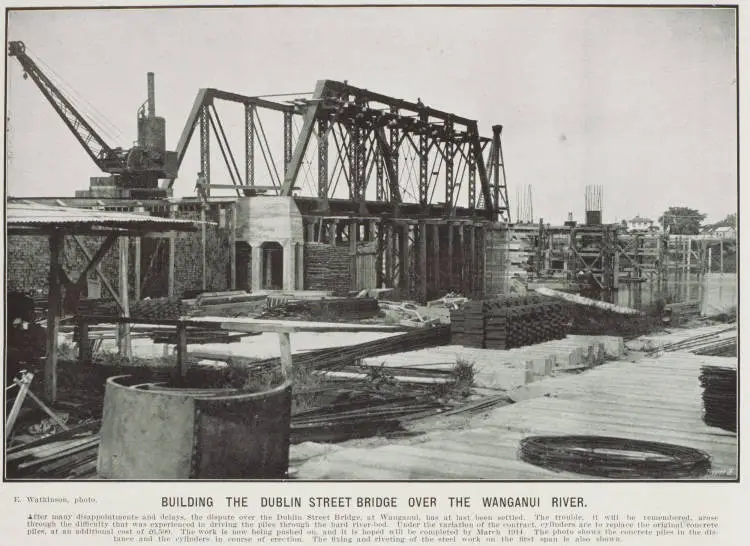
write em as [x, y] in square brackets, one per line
[687, 221]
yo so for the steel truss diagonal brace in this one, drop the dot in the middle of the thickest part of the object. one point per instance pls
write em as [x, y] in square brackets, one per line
[476, 150]
[385, 150]
[308, 124]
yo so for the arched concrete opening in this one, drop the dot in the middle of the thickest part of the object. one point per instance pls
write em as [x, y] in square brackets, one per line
[272, 266]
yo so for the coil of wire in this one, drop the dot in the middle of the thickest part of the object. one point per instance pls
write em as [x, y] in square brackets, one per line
[719, 397]
[619, 458]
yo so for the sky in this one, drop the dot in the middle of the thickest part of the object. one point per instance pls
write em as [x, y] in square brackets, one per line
[641, 101]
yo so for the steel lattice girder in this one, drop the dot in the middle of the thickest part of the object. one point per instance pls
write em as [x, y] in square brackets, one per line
[367, 116]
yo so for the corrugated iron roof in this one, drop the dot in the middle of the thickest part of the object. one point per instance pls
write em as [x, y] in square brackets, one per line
[36, 215]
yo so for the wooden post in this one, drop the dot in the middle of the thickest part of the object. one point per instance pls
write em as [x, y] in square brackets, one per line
[182, 361]
[137, 268]
[404, 265]
[465, 287]
[333, 232]
[436, 258]
[616, 268]
[422, 274]
[473, 258]
[124, 329]
[286, 354]
[482, 257]
[83, 341]
[23, 390]
[380, 253]
[233, 247]
[353, 229]
[721, 256]
[389, 244]
[137, 261]
[708, 269]
[204, 280]
[56, 241]
[172, 249]
[451, 268]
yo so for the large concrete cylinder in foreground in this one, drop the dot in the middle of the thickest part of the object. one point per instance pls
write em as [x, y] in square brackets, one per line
[151, 432]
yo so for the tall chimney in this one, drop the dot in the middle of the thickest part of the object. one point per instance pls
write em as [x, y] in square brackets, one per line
[151, 96]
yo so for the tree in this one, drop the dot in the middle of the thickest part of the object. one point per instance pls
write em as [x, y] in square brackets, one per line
[729, 221]
[682, 220]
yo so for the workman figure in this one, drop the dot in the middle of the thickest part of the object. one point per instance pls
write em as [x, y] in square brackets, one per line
[201, 188]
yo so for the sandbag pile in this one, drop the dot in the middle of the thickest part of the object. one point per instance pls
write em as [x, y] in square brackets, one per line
[506, 323]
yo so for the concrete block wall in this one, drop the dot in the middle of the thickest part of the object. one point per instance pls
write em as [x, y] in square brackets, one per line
[188, 256]
[327, 267]
[29, 261]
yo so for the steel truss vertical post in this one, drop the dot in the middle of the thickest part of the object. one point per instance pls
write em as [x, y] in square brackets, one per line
[501, 186]
[355, 157]
[495, 159]
[424, 159]
[205, 147]
[449, 153]
[287, 140]
[364, 138]
[323, 158]
[380, 194]
[395, 143]
[249, 145]
[472, 179]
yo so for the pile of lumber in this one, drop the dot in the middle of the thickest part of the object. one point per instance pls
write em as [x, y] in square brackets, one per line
[333, 310]
[65, 455]
[719, 397]
[507, 323]
[339, 357]
[714, 343]
[148, 309]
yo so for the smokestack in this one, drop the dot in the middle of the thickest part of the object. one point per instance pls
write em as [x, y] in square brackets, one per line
[151, 96]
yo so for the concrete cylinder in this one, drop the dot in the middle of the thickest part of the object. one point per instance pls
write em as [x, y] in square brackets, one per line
[151, 431]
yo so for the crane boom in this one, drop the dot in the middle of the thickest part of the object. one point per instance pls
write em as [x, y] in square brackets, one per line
[135, 172]
[111, 160]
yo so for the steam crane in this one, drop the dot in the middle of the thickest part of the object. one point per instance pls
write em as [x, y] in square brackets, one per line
[134, 172]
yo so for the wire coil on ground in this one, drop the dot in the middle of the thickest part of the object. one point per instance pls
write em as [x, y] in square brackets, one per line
[719, 397]
[610, 457]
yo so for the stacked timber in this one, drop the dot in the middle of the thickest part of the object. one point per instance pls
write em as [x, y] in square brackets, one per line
[719, 397]
[469, 321]
[327, 310]
[508, 322]
[68, 454]
[148, 309]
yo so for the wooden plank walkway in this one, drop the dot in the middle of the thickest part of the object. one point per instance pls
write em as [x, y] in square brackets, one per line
[655, 399]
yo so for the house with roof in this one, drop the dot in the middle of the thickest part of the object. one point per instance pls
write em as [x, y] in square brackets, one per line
[639, 223]
[721, 232]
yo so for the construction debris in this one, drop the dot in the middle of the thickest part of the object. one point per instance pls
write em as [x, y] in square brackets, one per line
[408, 314]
